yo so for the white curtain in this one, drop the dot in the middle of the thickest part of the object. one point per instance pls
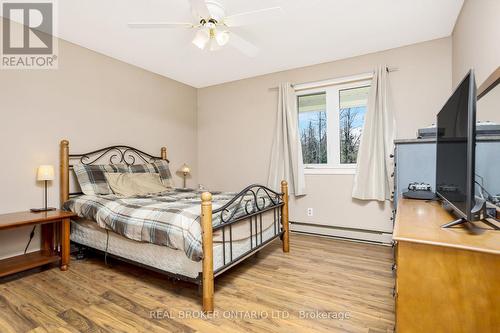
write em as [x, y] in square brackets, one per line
[286, 156]
[373, 179]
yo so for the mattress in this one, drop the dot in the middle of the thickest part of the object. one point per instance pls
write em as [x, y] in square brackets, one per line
[170, 218]
[88, 233]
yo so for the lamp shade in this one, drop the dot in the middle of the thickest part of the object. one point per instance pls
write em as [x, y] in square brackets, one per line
[185, 169]
[45, 172]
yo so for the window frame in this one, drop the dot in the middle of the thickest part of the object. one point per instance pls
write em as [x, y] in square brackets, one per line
[332, 92]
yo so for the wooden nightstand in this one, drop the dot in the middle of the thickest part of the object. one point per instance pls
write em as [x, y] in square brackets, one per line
[48, 253]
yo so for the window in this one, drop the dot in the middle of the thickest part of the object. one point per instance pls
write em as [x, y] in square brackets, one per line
[352, 110]
[331, 122]
[312, 123]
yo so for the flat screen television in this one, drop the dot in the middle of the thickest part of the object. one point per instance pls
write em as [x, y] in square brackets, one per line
[456, 144]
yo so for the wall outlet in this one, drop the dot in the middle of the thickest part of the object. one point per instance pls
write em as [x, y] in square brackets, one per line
[310, 212]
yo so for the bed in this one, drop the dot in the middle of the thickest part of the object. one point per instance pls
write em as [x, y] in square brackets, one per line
[186, 234]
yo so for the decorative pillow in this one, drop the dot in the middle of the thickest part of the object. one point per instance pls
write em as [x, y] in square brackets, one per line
[160, 167]
[131, 184]
[92, 179]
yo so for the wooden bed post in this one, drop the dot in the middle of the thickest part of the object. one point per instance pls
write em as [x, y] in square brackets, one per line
[284, 217]
[208, 261]
[64, 172]
[63, 237]
[163, 153]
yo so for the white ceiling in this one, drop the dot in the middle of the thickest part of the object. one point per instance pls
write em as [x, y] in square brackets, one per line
[307, 32]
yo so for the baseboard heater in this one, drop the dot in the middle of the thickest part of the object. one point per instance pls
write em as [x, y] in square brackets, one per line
[355, 234]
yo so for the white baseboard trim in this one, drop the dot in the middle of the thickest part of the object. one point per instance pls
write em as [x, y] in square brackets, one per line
[344, 233]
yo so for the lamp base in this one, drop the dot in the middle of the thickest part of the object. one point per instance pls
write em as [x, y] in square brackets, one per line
[39, 210]
[184, 189]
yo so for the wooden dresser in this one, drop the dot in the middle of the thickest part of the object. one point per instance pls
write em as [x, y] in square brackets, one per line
[447, 280]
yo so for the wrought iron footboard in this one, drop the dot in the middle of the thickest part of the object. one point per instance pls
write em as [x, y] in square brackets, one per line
[250, 204]
[253, 201]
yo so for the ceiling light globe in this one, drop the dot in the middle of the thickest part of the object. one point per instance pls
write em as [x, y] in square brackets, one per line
[213, 45]
[222, 38]
[201, 38]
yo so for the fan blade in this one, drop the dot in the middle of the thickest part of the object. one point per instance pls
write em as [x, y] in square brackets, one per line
[242, 45]
[148, 25]
[200, 9]
[252, 17]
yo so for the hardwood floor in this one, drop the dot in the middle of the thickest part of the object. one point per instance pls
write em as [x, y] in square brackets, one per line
[319, 276]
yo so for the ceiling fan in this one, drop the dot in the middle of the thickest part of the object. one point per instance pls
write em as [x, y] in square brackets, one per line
[212, 26]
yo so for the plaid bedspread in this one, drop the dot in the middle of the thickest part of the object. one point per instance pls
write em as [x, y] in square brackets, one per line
[171, 218]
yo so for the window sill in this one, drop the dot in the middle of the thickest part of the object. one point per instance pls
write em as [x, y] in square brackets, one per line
[329, 171]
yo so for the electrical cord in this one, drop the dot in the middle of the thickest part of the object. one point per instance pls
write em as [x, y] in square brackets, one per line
[494, 218]
[106, 250]
[490, 197]
[32, 234]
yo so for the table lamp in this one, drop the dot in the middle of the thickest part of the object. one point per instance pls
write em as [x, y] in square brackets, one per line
[44, 173]
[186, 170]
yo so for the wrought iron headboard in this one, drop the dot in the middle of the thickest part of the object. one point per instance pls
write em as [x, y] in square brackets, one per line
[119, 154]
[115, 154]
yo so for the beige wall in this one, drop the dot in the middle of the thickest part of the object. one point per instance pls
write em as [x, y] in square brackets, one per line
[93, 101]
[236, 122]
[476, 39]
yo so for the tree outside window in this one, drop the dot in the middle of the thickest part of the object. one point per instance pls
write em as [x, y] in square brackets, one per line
[339, 108]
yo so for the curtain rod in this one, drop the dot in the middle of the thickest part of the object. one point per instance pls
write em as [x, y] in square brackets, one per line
[388, 69]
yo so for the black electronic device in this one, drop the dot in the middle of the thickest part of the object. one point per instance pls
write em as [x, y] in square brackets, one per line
[419, 191]
[456, 152]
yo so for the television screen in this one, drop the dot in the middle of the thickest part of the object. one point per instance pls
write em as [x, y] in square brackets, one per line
[456, 149]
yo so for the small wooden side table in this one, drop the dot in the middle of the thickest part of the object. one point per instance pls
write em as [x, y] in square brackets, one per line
[48, 253]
